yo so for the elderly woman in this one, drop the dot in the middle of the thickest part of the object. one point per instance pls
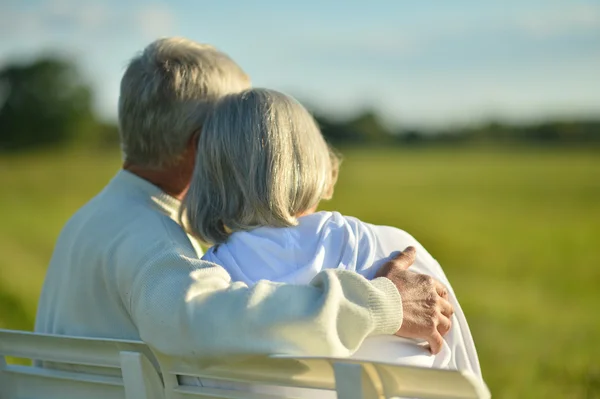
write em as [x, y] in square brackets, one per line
[261, 169]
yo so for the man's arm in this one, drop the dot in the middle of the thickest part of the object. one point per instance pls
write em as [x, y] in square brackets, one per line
[188, 307]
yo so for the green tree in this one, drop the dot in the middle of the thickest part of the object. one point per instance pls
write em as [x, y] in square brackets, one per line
[369, 126]
[43, 103]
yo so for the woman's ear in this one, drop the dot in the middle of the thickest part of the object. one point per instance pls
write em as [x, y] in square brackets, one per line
[336, 160]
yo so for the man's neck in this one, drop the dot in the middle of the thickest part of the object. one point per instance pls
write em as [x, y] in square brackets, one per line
[174, 181]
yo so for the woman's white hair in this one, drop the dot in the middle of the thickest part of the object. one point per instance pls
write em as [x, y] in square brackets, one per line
[261, 161]
[166, 93]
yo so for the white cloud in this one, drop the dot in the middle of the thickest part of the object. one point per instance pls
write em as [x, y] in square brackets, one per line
[52, 16]
[559, 21]
[83, 18]
[371, 45]
[94, 16]
[155, 20]
[16, 22]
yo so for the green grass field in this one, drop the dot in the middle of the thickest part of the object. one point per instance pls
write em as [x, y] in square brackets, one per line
[517, 231]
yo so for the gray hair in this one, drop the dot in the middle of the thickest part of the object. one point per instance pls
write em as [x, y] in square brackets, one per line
[166, 93]
[261, 161]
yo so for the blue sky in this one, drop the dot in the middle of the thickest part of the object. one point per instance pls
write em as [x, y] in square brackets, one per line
[418, 63]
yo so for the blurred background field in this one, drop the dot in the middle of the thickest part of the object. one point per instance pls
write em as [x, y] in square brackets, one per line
[473, 126]
[517, 232]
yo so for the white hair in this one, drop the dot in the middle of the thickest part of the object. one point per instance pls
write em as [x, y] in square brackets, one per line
[166, 93]
[261, 161]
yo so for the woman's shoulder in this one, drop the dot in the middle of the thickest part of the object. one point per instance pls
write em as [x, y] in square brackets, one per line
[369, 242]
[331, 220]
[334, 222]
[363, 228]
[384, 239]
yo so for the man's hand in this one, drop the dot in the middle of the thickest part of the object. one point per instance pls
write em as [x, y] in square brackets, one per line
[425, 305]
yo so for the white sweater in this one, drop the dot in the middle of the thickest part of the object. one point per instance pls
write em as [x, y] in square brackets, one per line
[123, 268]
[326, 240]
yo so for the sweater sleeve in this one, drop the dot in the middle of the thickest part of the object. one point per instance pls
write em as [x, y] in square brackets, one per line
[188, 307]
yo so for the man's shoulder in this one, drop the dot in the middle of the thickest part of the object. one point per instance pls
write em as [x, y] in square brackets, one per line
[108, 212]
[128, 226]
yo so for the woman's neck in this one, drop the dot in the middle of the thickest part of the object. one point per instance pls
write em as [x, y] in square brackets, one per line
[308, 212]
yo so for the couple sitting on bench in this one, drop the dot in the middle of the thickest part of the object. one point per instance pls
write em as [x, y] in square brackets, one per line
[208, 159]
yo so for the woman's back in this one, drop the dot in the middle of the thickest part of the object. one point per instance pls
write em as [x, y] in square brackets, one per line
[295, 254]
[328, 239]
[261, 170]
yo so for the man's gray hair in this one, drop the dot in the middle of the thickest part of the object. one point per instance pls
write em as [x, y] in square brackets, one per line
[261, 161]
[166, 93]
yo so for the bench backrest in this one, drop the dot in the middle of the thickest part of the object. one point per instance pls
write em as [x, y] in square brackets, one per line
[104, 368]
[80, 368]
[349, 378]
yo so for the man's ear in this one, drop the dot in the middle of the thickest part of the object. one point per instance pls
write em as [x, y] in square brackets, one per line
[193, 140]
[192, 144]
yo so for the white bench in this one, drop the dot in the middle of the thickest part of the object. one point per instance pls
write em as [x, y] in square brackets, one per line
[105, 369]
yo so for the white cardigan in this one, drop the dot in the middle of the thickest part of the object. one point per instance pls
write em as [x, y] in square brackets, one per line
[123, 268]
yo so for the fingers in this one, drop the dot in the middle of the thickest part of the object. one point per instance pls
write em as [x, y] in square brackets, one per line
[405, 258]
[402, 261]
[435, 343]
[441, 289]
[445, 308]
[444, 325]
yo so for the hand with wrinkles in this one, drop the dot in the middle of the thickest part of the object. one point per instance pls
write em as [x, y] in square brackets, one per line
[426, 310]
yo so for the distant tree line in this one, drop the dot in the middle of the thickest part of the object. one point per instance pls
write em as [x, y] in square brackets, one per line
[47, 103]
[367, 129]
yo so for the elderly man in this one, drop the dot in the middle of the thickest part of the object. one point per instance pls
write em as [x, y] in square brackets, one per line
[124, 268]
